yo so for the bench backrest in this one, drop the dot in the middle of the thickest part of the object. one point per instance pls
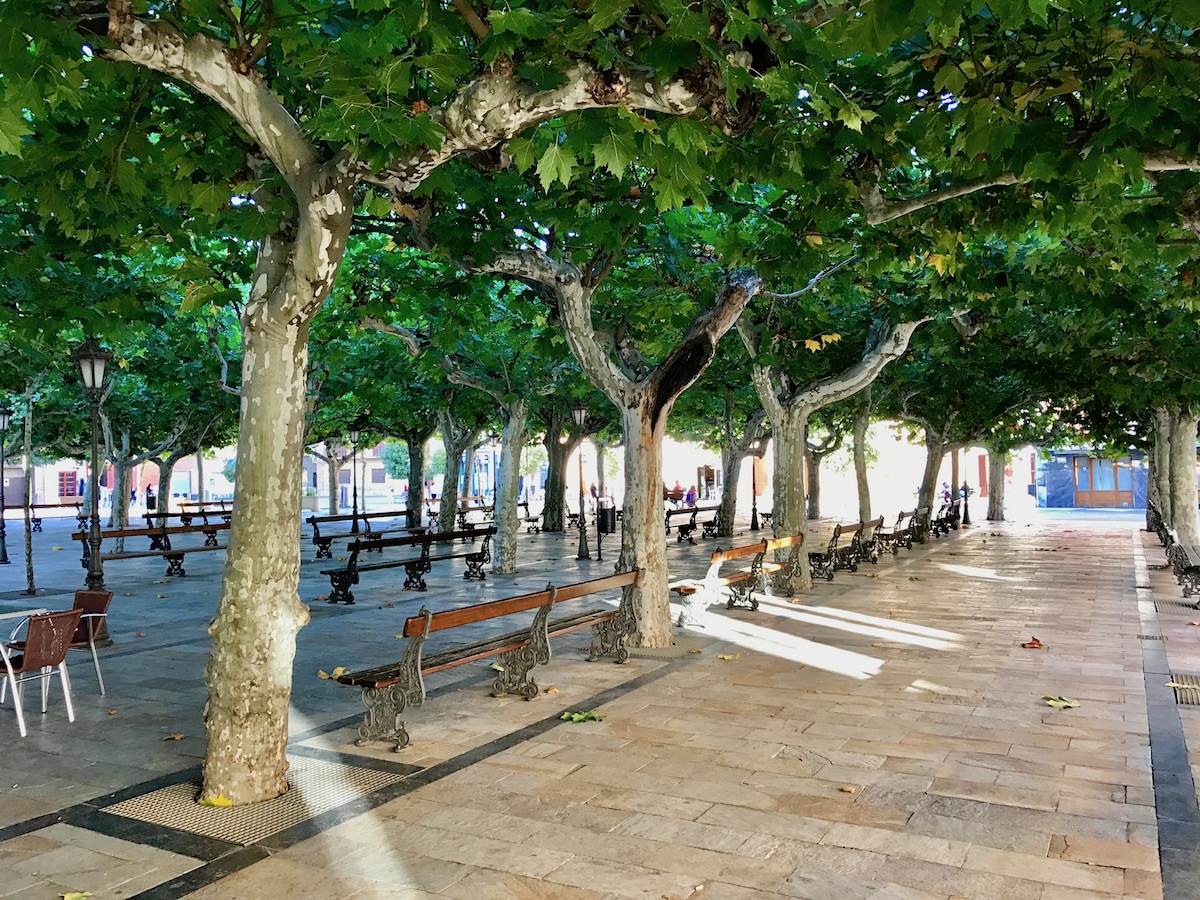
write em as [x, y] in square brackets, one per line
[494, 609]
[873, 524]
[721, 556]
[784, 542]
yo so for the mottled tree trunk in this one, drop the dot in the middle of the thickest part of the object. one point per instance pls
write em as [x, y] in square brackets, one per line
[862, 421]
[601, 460]
[415, 443]
[554, 514]
[731, 468]
[997, 463]
[954, 482]
[643, 539]
[249, 674]
[789, 426]
[812, 463]
[507, 515]
[334, 463]
[935, 450]
[166, 469]
[201, 494]
[1184, 517]
[1162, 462]
[457, 437]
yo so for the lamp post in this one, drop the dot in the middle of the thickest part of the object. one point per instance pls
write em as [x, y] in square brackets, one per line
[5, 421]
[355, 434]
[92, 360]
[754, 486]
[579, 414]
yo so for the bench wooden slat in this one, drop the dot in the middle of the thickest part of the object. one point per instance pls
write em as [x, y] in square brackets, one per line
[596, 585]
[479, 612]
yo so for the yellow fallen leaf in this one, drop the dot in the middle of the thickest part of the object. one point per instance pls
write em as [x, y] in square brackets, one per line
[848, 789]
[220, 800]
[174, 737]
[75, 895]
[729, 656]
[870, 574]
[321, 673]
[551, 690]
[112, 712]
[338, 672]
[695, 650]
[795, 600]
[497, 667]
[59, 548]
[1174, 684]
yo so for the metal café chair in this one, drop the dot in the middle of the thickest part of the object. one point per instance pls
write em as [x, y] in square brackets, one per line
[47, 639]
[94, 607]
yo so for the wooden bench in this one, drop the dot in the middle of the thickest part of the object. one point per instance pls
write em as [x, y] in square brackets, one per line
[683, 531]
[741, 584]
[388, 690]
[533, 522]
[874, 545]
[709, 528]
[35, 520]
[468, 505]
[415, 567]
[323, 541]
[1184, 560]
[948, 518]
[205, 510]
[890, 540]
[160, 544]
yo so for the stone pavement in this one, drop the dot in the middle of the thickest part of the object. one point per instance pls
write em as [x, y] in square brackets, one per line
[884, 736]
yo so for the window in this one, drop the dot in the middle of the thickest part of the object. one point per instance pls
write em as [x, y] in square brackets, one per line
[379, 476]
[67, 484]
[1124, 477]
[1102, 475]
[1082, 481]
[344, 476]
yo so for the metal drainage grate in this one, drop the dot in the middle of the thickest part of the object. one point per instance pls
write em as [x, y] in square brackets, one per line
[1174, 605]
[1187, 689]
[316, 786]
[1151, 637]
[681, 645]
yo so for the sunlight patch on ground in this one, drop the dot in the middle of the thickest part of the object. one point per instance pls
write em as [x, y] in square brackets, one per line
[796, 649]
[890, 624]
[882, 629]
[976, 572]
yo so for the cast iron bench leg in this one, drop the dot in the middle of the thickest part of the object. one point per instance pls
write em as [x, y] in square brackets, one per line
[340, 583]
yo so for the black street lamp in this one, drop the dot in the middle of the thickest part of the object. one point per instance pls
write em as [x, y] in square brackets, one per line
[5, 421]
[92, 360]
[355, 434]
[754, 485]
[579, 414]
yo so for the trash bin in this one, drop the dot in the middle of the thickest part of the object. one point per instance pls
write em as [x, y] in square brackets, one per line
[606, 517]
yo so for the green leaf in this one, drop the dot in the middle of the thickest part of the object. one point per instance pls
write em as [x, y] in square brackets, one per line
[556, 164]
[615, 152]
[13, 127]
[606, 12]
[589, 716]
[1061, 702]
[524, 22]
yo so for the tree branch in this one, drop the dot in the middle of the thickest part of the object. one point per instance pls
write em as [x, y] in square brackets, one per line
[477, 25]
[413, 342]
[205, 64]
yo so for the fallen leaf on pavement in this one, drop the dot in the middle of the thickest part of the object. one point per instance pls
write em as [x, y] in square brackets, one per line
[336, 673]
[140, 634]
[848, 789]
[76, 895]
[220, 801]
[695, 650]
[174, 737]
[162, 596]
[1033, 644]
[729, 656]
[551, 690]
[112, 712]
[56, 548]
[1061, 702]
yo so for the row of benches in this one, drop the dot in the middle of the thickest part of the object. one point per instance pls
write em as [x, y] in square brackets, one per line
[388, 690]
[160, 543]
[1183, 559]
[417, 563]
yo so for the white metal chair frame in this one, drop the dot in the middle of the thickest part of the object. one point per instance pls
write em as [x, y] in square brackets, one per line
[11, 676]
